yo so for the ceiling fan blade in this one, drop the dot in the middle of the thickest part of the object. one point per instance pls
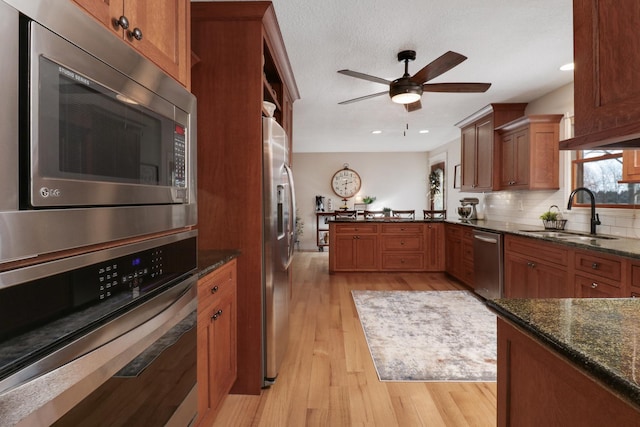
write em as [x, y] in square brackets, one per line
[363, 76]
[438, 66]
[456, 87]
[413, 106]
[362, 98]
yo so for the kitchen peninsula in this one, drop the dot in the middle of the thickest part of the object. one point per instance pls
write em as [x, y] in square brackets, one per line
[386, 244]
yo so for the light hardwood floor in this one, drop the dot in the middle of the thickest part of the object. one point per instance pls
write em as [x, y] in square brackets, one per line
[328, 377]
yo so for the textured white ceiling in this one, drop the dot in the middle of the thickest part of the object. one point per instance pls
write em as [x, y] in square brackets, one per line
[517, 45]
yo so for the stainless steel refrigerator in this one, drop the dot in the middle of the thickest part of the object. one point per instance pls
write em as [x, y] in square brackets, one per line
[278, 241]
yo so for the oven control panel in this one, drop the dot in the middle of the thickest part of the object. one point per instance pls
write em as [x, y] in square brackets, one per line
[128, 277]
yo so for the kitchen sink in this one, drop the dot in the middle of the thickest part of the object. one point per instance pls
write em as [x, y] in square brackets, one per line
[568, 235]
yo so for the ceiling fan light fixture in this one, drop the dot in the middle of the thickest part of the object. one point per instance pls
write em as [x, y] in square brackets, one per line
[405, 98]
[404, 91]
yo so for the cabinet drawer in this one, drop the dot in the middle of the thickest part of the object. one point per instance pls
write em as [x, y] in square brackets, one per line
[402, 243]
[401, 228]
[598, 265]
[356, 228]
[590, 287]
[635, 276]
[411, 261]
[216, 284]
[532, 248]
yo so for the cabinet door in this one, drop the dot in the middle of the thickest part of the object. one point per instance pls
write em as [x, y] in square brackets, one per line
[434, 247]
[217, 364]
[484, 155]
[518, 277]
[344, 251]
[521, 159]
[453, 250]
[551, 282]
[165, 27]
[508, 169]
[105, 11]
[468, 146]
[631, 166]
[606, 85]
[366, 252]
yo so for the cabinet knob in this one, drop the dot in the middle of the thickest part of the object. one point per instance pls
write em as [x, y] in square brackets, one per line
[595, 265]
[594, 285]
[402, 243]
[216, 315]
[214, 289]
[531, 264]
[121, 22]
[135, 34]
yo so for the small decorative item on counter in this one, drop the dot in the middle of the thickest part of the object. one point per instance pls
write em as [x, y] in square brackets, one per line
[367, 200]
[387, 211]
[552, 220]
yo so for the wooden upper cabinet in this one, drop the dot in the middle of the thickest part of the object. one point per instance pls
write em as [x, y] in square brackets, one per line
[630, 166]
[479, 143]
[163, 25]
[530, 153]
[607, 90]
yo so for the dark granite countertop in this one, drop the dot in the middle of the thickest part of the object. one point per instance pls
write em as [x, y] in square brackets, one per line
[614, 245]
[599, 335]
[212, 259]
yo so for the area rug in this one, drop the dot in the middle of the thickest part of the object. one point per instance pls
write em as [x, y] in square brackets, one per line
[428, 335]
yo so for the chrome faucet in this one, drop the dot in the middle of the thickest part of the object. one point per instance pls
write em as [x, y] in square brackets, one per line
[595, 218]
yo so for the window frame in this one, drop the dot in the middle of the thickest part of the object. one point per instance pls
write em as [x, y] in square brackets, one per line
[579, 159]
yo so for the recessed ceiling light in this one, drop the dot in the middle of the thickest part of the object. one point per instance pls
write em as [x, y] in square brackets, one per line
[567, 67]
[424, 131]
[376, 132]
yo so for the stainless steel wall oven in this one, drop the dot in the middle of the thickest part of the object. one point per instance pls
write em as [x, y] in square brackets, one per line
[81, 335]
[98, 144]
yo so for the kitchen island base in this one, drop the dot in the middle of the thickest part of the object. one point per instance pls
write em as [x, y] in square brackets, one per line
[538, 387]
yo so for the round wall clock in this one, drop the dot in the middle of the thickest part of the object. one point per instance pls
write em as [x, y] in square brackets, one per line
[346, 182]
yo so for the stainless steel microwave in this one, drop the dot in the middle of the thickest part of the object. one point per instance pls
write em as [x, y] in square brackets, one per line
[97, 143]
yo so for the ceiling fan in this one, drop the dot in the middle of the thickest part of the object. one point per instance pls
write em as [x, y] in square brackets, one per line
[408, 89]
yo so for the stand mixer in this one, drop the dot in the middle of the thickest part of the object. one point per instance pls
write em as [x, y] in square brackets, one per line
[468, 209]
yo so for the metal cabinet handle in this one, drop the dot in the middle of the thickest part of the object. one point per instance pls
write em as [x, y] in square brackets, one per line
[595, 266]
[214, 289]
[401, 242]
[531, 264]
[121, 22]
[594, 285]
[216, 315]
[135, 34]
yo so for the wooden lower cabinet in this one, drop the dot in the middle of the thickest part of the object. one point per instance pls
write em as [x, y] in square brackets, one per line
[538, 387]
[599, 275]
[434, 247]
[353, 247]
[459, 252]
[217, 340]
[535, 269]
[386, 246]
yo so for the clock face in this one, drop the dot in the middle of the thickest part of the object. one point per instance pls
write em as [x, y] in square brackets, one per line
[346, 183]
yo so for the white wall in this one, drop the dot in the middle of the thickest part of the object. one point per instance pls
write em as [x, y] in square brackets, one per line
[397, 180]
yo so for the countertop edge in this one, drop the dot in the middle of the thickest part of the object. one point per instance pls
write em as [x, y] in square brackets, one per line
[623, 388]
[212, 259]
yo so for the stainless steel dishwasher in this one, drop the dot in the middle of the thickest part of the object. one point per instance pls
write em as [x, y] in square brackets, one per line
[487, 263]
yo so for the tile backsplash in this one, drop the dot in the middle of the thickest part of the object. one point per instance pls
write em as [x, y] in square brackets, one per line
[525, 207]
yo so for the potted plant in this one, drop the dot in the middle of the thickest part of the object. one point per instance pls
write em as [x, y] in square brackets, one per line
[367, 200]
[387, 211]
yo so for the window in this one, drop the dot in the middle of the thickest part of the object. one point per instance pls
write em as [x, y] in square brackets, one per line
[600, 171]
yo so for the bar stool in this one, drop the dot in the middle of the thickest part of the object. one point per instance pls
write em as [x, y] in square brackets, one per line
[434, 214]
[405, 214]
[373, 214]
[345, 214]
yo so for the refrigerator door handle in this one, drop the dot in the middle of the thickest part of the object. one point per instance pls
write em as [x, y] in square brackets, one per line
[292, 216]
